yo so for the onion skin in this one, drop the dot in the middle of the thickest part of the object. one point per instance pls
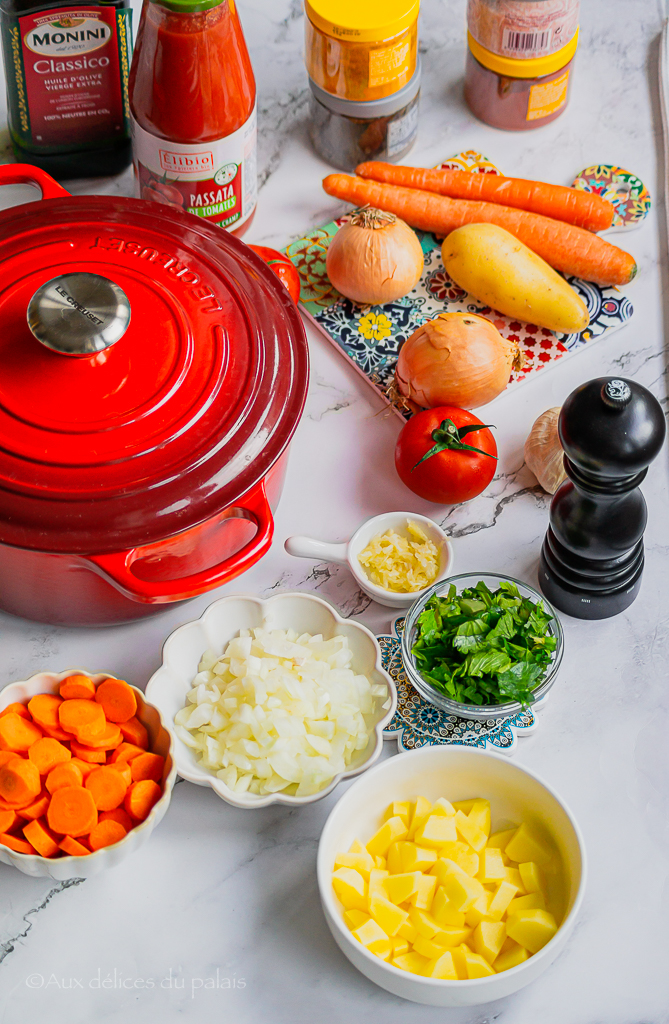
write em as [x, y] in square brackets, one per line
[373, 265]
[456, 359]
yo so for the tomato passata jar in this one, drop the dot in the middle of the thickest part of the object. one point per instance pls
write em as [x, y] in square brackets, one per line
[446, 455]
[193, 107]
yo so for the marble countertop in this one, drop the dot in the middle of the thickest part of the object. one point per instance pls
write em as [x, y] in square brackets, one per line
[218, 917]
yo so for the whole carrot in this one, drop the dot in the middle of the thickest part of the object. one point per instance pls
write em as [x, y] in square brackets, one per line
[584, 209]
[565, 247]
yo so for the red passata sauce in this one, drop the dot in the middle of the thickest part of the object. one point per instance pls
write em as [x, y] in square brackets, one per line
[193, 106]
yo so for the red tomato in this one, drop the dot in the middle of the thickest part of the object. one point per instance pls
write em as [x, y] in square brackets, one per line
[283, 268]
[453, 473]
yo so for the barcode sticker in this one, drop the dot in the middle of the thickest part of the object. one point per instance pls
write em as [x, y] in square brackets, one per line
[527, 43]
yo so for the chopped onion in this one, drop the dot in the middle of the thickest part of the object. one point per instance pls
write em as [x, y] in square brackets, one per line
[279, 712]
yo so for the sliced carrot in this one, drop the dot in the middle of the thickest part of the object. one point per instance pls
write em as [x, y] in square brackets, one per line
[85, 767]
[124, 770]
[134, 732]
[6, 755]
[37, 807]
[563, 246]
[126, 752]
[17, 709]
[16, 844]
[84, 753]
[64, 776]
[41, 837]
[18, 733]
[117, 699]
[141, 797]
[19, 781]
[106, 833]
[109, 740]
[117, 814]
[8, 820]
[147, 766]
[83, 718]
[73, 848]
[44, 709]
[47, 753]
[72, 811]
[77, 687]
[107, 786]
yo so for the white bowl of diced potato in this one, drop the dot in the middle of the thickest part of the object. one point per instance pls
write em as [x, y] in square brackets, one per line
[509, 864]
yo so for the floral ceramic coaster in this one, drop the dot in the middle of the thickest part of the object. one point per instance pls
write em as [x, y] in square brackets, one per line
[628, 193]
[417, 723]
[370, 336]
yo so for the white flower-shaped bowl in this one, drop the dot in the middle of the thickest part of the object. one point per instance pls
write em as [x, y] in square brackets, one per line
[219, 624]
[160, 742]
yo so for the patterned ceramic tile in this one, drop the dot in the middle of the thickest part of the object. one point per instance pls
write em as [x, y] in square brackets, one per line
[370, 336]
[417, 723]
[628, 193]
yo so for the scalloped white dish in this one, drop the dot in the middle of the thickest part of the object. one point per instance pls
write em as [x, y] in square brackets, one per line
[222, 621]
[160, 742]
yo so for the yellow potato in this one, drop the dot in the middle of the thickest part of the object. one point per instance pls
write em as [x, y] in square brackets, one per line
[494, 267]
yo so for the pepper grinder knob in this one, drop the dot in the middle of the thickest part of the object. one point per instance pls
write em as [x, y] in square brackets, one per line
[79, 314]
[616, 393]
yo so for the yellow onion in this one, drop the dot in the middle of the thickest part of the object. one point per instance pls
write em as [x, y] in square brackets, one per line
[456, 359]
[374, 258]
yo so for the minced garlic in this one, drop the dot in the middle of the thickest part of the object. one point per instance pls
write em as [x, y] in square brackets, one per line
[401, 564]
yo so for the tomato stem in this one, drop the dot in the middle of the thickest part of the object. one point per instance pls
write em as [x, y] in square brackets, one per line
[448, 437]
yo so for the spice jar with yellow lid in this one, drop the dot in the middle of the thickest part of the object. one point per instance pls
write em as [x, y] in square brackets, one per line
[518, 95]
[361, 49]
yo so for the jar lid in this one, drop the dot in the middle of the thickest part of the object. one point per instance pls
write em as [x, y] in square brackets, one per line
[517, 67]
[176, 384]
[362, 20]
[370, 109]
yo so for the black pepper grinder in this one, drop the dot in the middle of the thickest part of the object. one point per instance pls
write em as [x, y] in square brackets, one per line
[592, 557]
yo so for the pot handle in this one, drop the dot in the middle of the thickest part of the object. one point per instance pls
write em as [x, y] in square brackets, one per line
[117, 566]
[26, 174]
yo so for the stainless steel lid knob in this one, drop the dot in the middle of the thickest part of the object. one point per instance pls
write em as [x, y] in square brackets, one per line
[79, 314]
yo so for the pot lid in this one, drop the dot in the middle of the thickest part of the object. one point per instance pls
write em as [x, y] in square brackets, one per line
[153, 370]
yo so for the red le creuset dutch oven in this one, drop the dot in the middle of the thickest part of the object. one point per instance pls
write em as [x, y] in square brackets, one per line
[152, 372]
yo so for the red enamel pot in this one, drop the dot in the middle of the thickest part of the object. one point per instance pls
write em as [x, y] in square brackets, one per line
[154, 370]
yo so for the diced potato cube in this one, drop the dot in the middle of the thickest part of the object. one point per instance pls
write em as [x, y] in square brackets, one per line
[350, 888]
[533, 877]
[372, 936]
[376, 880]
[412, 962]
[488, 939]
[526, 845]
[357, 847]
[416, 858]
[470, 832]
[502, 897]
[442, 967]
[407, 931]
[390, 832]
[533, 901]
[420, 813]
[423, 923]
[362, 862]
[442, 806]
[443, 911]
[500, 839]
[491, 866]
[480, 910]
[450, 935]
[386, 914]
[532, 928]
[424, 895]
[480, 815]
[436, 830]
[354, 918]
[393, 858]
[398, 809]
[464, 805]
[385, 951]
[380, 863]
[510, 957]
[463, 855]
[400, 888]
[477, 966]
[459, 960]
[461, 889]
[427, 947]
[401, 946]
[513, 878]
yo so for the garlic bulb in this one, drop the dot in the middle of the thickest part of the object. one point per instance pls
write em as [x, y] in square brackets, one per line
[543, 452]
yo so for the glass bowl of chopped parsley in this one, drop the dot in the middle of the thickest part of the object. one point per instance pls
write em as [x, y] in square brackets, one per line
[482, 645]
